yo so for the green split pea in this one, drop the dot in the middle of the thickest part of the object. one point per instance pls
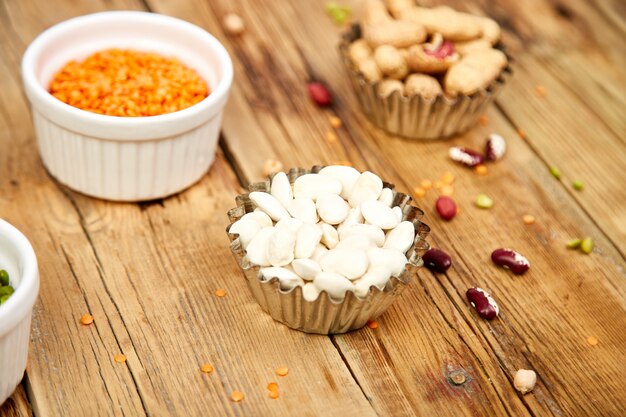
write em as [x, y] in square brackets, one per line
[5, 289]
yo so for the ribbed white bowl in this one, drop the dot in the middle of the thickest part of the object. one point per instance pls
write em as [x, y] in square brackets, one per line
[126, 158]
[18, 258]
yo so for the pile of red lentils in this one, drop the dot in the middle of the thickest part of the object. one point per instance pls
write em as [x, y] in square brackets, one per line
[128, 83]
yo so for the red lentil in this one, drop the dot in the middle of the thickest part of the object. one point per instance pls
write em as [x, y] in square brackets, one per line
[282, 371]
[128, 83]
[86, 320]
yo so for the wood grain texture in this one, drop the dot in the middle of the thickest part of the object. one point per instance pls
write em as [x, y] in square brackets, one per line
[148, 272]
[16, 405]
[403, 366]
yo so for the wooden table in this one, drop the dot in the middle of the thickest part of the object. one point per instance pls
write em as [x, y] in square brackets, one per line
[147, 272]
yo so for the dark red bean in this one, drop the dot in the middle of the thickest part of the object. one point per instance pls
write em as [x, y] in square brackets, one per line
[495, 148]
[508, 258]
[446, 207]
[320, 94]
[437, 260]
[483, 303]
[465, 156]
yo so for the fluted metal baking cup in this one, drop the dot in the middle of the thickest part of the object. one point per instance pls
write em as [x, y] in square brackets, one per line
[417, 117]
[326, 315]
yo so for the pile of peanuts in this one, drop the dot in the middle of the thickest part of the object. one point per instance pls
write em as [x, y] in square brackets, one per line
[426, 51]
[336, 231]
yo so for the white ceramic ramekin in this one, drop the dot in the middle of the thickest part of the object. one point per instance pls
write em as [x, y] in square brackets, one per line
[18, 259]
[126, 158]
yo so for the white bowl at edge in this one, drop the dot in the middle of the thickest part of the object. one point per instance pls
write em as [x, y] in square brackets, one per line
[18, 258]
[126, 158]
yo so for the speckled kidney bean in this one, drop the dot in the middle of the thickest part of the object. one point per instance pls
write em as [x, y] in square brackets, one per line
[465, 156]
[483, 303]
[508, 258]
[437, 260]
[446, 207]
[495, 148]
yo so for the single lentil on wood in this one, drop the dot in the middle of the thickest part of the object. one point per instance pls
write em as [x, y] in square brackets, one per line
[128, 83]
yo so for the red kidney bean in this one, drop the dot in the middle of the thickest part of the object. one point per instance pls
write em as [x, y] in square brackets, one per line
[437, 260]
[446, 207]
[465, 156]
[508, 258]
[495, 148]
[483, 303]
[442, 51]
[320, 94]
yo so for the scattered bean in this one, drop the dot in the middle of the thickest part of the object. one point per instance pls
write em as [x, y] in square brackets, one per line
[419, 192]
[331, 137]
[220, 292]
[483, 201]
[484, 120]
[586, 245]
[206, 368]
[528, 219]
[86, 320]
[446, 207]
[426, 184]
[574, 243]
[540, 91]
[282, 371]
[510, 259]
[480, 170]
[484, 304]
[521, 133]
[272, 386]
[447, 178]
[337, 12]
[119, 358]
[320, 94]
[437, 260]
[447, 190]
[578, 185]
[273, 394]
[237, 396]
[233, 24]
[465, 156]
[335, 122]
[495, 148]
[372, 324]
[554, 171]
[592, 340]
[525, 380]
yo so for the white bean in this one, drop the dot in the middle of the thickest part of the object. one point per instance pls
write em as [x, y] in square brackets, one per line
[281, 189]
[401, 237]
[367, 187]
[307, 240]
[280, 246]
[332, 208]
[334, 284]
[303, 209]
[269, 204]
[350, 263]
[344, 174]
[307, 269]
[379, 214]
[313, 185]
[391, 259]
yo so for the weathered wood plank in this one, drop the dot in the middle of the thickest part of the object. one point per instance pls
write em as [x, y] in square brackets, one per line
[574, 51]
[147, 274]
[431, 331]
[16, 405]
